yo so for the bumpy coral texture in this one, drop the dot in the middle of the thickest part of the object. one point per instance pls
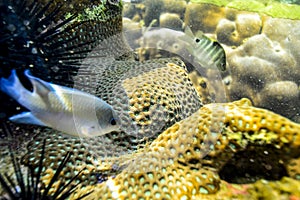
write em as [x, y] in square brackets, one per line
[148, 96]
[184, 160]
[188, 159]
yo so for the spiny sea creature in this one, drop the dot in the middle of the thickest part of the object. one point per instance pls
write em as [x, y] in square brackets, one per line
[30, 186]
[37, 34]
[68, 110]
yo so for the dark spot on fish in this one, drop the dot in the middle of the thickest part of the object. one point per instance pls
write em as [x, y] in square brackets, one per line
[113, 122]
[197, 40]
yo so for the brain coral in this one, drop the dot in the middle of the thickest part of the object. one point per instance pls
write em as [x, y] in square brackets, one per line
[184, 160]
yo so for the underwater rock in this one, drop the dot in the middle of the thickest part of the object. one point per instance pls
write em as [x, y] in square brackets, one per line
[226, 33]
[153, 9]
[176, 7]
[203, 17]
[286, 33]
[248, 24]
[258, 65]
[205, 91]
[253, 71]
[171, 21]
[238, 27]
[130, 10]
[280, 96]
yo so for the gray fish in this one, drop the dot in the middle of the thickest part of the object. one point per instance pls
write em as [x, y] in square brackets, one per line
[206, 52]
[65, 109]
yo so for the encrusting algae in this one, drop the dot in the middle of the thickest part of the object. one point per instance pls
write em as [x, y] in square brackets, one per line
[188, 156]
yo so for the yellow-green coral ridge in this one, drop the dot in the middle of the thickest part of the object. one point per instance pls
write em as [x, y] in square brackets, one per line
[271, 8]
[172, 165]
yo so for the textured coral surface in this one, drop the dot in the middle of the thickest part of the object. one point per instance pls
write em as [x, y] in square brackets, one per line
[184, 161]
[181, 150]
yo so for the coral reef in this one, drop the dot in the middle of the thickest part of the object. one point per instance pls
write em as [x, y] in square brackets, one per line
[272, 8]
[237, 27]
[170, 20]
[262, 53]
[204, 17]
[184, 161]
[170, 145]
[268, 66]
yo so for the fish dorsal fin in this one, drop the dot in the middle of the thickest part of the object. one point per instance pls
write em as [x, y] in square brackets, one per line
[188, 36]
[188, 31]
[40, 87]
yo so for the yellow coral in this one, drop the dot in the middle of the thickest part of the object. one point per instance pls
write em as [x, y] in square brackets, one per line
[179, 162]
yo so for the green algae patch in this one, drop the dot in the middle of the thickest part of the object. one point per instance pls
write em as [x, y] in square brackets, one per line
[271, 8]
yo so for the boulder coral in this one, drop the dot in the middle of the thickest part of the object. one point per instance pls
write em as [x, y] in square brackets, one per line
[170, 20]
[267, 65]
[237, 27]
[204, 17]
[185, 160]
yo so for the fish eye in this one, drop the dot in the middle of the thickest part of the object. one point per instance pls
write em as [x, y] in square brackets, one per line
[113, 121]
[197, 40]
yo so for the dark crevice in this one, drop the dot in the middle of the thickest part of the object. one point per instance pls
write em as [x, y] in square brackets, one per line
[254, 164]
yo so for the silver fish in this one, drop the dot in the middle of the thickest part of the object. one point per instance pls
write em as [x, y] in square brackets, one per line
[206, 52]
[65, 109]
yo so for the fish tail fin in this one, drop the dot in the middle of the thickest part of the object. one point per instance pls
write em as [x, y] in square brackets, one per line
[12, 86]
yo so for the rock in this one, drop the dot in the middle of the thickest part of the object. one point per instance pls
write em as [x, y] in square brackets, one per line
[281, 96]
[227, 33]
[170, 20]
[248, 24]
[204, 17]
[175, 6]
[252, 71]
[238, 27]
[153, 9]
[286, 33]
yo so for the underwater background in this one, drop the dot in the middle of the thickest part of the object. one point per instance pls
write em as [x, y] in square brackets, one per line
[189, 131]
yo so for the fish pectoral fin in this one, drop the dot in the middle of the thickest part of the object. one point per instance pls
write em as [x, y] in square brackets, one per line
[26, 118]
